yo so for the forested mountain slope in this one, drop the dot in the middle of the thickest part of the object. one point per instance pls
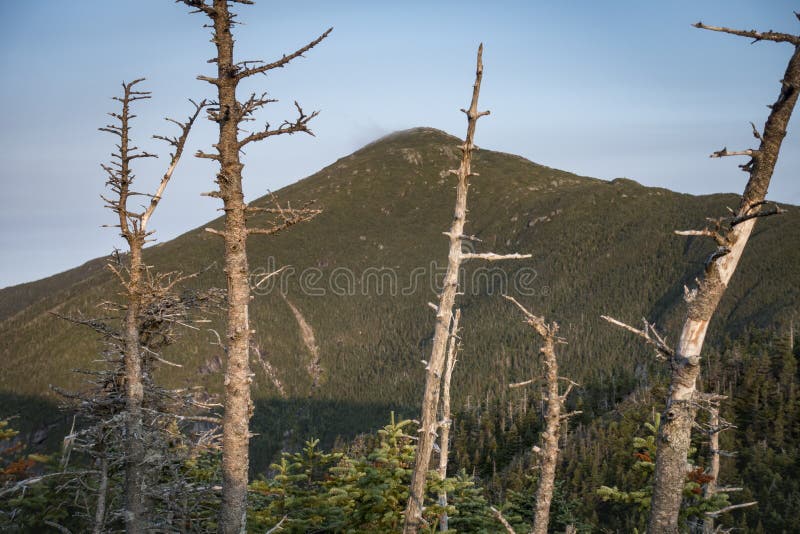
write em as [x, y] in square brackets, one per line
[346, 350]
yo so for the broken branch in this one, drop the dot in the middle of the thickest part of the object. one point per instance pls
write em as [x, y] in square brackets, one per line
[753, 34]
[654, 340]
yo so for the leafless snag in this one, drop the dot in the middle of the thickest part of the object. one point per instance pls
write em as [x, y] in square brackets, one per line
[710, 403]
[102, 496]
[731, 235]
[548, 453]
[447, 422]
[116, 404]
[230, 113]
[168, 416]
[444, 313]
[133, 228]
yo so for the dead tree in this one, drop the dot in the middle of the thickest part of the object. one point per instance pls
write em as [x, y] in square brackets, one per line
[102, 495]
[169, 432]
[447, 421]
[710, 403]
[230, 114]
[133, 228]
[714, 428]
[730, 234]
[444, 313]
[554, 416]
[125, 417]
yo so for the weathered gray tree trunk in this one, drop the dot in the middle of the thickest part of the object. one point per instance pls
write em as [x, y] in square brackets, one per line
[444, 313]
[135, 512]
[102, 495]
[550, 437]
[554, 417]
[133, 228]
[675, 431]
[447, 422]
[713, 428]
[229, 114]
[713, 469]
[135, 521]
[238, 406]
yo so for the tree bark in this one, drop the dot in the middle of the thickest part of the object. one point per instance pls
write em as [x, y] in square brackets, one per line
[713, 468]
[229, 114]
[550, 437]
[447, 423]
[554, 416]
[675, 432]
[430, 402]
[133, 228]
[102, 494]
[121, 180]
[238, 408]
[135, 512]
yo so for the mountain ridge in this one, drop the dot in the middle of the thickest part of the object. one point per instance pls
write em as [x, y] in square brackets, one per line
[598, 247]
[9, 294]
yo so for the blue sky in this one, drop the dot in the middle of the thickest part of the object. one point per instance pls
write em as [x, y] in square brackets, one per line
[604, 89]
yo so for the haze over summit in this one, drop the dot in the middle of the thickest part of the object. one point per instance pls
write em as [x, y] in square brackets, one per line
[606, 91]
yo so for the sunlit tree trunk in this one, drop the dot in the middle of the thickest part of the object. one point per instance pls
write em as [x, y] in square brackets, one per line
[229, 114]
[447, 423]
[554, 416]
[444, 313]
[730, 235]
[674, 438]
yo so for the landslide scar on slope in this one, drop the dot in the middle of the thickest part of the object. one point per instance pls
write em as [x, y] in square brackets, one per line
[307, 334]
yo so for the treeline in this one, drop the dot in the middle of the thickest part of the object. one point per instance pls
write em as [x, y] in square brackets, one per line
[361, 485]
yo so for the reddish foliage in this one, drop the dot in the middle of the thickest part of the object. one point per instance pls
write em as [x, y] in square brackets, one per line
[12, 449]
[18, 468]
[698, 475]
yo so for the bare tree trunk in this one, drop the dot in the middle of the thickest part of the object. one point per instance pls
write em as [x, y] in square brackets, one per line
[444, 313]
[102, 494]
[229, 115]
[550, 438]
[731, 235]
[710, 402]
[675, 431]
[447, 423]
[238, 406]
[135, 513]
[121, 180]
[430, 402]
[133, 228]
[713, 468]
[548, 453]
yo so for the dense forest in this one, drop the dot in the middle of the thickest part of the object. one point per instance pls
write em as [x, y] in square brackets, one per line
[360, 484]
[265, 372]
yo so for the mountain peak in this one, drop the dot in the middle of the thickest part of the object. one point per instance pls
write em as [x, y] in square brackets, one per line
[417, 134]
[362, 272]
